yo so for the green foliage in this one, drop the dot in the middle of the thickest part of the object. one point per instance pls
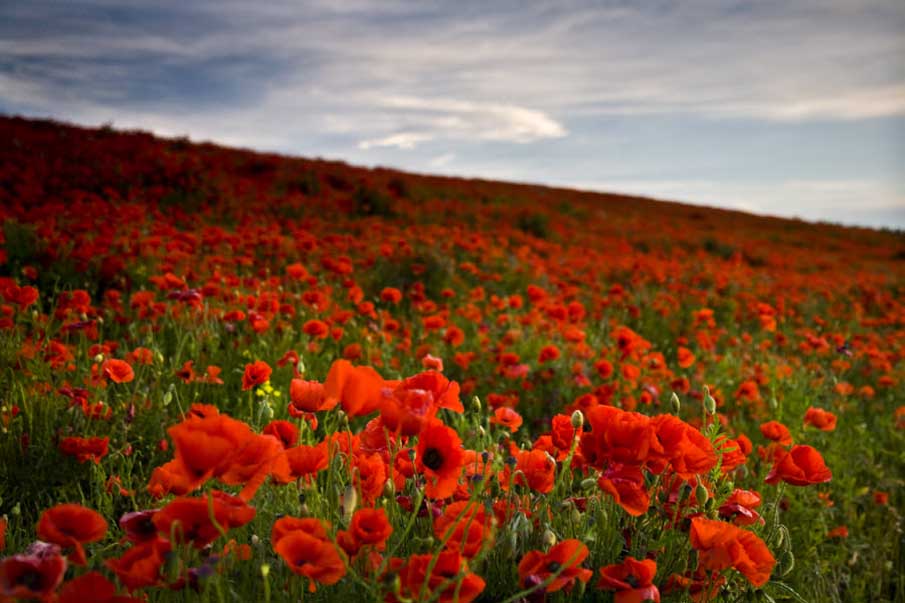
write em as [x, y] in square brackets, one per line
[368, 201]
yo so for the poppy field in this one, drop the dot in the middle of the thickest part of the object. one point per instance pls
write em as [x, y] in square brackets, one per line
[229, 376]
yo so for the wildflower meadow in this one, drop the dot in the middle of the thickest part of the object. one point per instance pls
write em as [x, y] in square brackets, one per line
[228, 376]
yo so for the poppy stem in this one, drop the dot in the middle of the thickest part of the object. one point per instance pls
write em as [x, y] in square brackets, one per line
[419, 498]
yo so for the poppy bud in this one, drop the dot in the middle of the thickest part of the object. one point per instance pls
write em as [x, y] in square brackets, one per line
[576, 515]
[255, 541]
[99, 358]
[588, 483]
[675, 404]
[709, 402]
[701, 495]
[577, 419]
[476, 404]
[350, 501]
[786, 563]
[549, 538]
[265, 570]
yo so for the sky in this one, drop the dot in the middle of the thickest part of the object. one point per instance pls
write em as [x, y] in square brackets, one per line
[783, 107]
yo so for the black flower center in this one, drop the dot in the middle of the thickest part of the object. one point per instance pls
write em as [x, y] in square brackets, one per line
[32, 580]
[553, 566]
[433, 460]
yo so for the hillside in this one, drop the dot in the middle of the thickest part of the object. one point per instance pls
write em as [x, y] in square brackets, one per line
[156, 287]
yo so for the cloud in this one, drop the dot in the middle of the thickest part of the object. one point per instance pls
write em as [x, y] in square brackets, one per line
[456, 119]
[403, 140]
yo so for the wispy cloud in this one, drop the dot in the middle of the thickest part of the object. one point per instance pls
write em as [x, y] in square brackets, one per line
[455, 119]
[403, 140]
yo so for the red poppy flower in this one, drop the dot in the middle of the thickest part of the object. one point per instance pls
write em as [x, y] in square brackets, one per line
[370, 527]
[316, 328]
[370, 475]
[36, 574]
[118, 371]
[357, 387]
[284, 431]
[316, 559]
[776, 431]
[686, 358]
[625, 483]
[465, 526]
[507, 417]
[800, 466]
[309, 525]
[93, 587]
[454, 336]
[71, 526]
[416, 400]
[206, 446]
[139, 525]
[250, 466]
[306, 461]
[446, 582]
[85, 449]
[432, 363]
[391, 295]
[256, 373]
[548, 353]
[535, 469]
[21, 296]
[687, 451]
[631, 579]
[617, 435]
[188, 519]
[739, 508]
[732, 452]
[439, 457]
[309, 396]
[821, 419]
[140, 566]
[566, 558]
[721, 545]
[187, 372]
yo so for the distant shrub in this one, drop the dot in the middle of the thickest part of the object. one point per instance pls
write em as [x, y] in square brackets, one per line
[717, 248]
[534, 224]
[400, 188]
[304, 182]
[371, 202]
